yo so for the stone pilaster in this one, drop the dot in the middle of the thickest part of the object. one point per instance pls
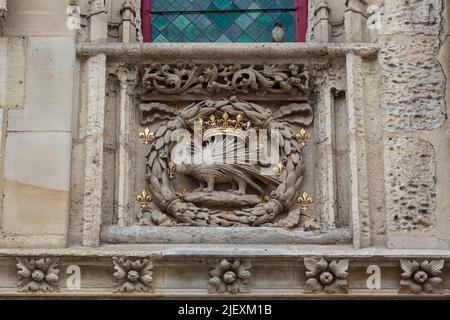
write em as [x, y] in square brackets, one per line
[98, 21]
[127, 76]
[92, 205]
[322, 28]
[355, 20]
[359, 205]
[128, 26]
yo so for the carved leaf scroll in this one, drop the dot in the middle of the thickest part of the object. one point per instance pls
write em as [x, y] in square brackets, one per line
[206, 79]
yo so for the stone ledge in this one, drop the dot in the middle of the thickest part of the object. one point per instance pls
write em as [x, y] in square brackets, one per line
[221, 250]
[198, 52]
[269, 235]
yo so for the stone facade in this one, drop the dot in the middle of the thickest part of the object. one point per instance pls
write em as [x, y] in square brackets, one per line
[94, 204]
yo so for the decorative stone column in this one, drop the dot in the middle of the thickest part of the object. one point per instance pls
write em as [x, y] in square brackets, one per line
[128, 26]
[322, 28]
[355, 20]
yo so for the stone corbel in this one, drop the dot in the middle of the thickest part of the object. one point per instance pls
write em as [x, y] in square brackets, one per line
[322, 28]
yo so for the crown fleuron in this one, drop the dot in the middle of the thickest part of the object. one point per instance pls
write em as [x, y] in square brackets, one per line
[225, 126]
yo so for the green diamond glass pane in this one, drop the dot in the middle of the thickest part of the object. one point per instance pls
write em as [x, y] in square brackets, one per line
[223, 4]
[223, 38]
[254, 14]
[191, 32]
[170, 32]
[190, 23]
[254, 30]
[244, 38]
[160, 38]
[287, 20]
[244, 21]
[265, 4]
[242, 4]
[212, 33]
[264, 37]
[224, 22]
[181, 22]
[233, 32]
[160, 22]
[264, 20]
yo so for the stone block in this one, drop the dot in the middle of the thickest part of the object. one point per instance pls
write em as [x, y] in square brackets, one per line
[410, 183]
[49, 86]
[12, 71]
[37, 181]
[413, 84]
[37, 17]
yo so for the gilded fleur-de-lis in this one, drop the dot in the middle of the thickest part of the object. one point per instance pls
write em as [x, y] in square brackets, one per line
[279, 169]
[264, 197]
[303, 137]
[144, 198]
[305, 201]
[146, 136]
[171, 169]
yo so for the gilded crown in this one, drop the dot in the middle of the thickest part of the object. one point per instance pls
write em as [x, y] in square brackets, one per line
[225, 126]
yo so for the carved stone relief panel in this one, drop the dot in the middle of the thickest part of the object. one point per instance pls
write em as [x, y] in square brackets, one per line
[229, 151]
[218, 145]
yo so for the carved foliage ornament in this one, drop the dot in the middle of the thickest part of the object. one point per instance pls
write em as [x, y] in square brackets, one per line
[132, 275]
[323, 276]
[236, 78]
[37, 274]
[230, 276]
[199, 207]
[418, 277]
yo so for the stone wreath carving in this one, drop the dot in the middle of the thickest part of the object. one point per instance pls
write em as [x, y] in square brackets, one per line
[323, 276]
[221, 78]
[275, 193]
[418, 277]
[230, 276]
[37, 274]
[132, 275]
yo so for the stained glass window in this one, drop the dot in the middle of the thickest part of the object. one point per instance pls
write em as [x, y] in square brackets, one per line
[221, 20]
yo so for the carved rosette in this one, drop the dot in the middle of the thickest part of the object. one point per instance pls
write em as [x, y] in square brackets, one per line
[418, 277]
[223, 78]
[323, 276]
[230, 276]
[37, 274]
[132, 275]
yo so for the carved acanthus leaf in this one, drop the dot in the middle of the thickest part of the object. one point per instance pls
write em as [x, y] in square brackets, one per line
[220, 78]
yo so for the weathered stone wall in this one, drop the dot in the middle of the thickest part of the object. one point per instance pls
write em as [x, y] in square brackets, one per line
[378, 163]
[37, 124]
